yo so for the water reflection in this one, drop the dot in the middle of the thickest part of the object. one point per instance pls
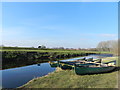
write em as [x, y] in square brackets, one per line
[15, 77]
[38, 64]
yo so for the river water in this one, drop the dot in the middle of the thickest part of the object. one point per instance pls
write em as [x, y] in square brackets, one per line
[15, 77]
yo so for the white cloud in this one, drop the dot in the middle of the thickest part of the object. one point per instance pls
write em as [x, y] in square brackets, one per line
[100, 35]
[108, 35]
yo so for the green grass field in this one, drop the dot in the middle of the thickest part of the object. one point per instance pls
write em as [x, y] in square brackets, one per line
[68, 79]
[47, 50]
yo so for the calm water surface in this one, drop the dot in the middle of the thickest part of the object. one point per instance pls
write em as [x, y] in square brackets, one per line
[15, 77]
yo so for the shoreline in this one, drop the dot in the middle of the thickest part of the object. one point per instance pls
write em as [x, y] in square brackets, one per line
[45, 61]
[17, 59]
[37, 79]
[58, 71]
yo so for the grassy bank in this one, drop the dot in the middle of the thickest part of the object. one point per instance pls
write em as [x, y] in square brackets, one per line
[13, 59]
[68, 79]
[21, 56]
[17, 57]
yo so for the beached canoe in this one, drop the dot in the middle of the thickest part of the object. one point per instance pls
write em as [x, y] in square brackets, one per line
[81, 59]
[66, 66]
[111, 62]
[89, 59]
[92, 69]
[54, 64]
[70, 65]
[99, 60]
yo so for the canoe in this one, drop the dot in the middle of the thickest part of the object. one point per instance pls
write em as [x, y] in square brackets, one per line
[70, 65]
[81, 59]
[63, 65]
[66, 66]
[87, 64]
[89, 59]
[54, 64]
[92, 69]
[98, 60]
[114, 62]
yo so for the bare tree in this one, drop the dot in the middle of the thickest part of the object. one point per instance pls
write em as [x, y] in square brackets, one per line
[103, 46]
[111, 45]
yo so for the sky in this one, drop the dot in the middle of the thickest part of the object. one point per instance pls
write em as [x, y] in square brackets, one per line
[59, 24]
[59, 0]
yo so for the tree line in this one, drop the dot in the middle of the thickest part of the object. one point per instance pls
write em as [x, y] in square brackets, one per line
[110, 45]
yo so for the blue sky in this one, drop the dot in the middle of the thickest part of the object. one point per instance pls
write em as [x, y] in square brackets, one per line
[59, 24]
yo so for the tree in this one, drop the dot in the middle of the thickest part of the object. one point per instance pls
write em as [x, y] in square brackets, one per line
[39, 47]
[111, 45]
[42, 47]
[61, 47]
[103, 46]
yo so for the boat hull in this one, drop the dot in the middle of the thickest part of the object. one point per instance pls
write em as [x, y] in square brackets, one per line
[53, 64]
[70, 65]
[92, 70]
[66, 66]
